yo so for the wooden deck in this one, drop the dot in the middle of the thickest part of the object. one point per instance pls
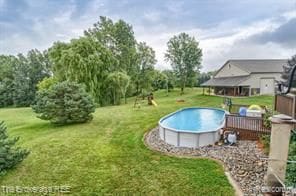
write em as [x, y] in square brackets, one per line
[248, 128]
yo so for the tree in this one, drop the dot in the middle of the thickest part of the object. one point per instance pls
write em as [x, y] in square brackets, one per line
[118, 38]
[145, 67]
[83, 61]
[160, 80]
[29, 71]
[64, 103]
[287, 69]
[184, 55]
[106, 48]
[118, 83]
[171, 79]
[10, 155]
[7, 66]
[205, 76]
[6, 92]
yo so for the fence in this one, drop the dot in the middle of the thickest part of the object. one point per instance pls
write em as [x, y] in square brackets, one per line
[249, 128]
[286, 104]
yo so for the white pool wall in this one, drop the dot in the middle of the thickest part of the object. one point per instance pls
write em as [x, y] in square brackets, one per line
[186, 138]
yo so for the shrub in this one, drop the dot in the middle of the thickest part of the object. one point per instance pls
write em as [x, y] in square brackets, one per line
[10, 155]
[64, 103]
[291, 167]
[266, 116]
[265, 140]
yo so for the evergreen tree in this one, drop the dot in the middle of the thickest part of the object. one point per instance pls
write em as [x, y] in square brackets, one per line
[10, 155]
[64, 103]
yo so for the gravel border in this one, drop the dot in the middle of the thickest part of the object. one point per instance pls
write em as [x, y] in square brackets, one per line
[241, 161]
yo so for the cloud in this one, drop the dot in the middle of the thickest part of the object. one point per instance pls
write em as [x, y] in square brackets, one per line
[265, 31]
[284, 35]
[152, 16]
[231, 40]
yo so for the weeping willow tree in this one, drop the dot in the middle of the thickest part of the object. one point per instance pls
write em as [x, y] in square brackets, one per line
[83, 61]
[106, 54]
[118, 84]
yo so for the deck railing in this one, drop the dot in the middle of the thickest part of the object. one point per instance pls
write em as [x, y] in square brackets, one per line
[286, 104]
[250, 128]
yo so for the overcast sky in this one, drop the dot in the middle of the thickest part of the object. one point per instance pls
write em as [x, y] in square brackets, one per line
[226, 29]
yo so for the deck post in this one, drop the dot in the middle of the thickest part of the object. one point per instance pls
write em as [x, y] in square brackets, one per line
[203, 90]
[279, 148]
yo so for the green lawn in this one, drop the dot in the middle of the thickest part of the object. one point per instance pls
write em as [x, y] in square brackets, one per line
[107, 155]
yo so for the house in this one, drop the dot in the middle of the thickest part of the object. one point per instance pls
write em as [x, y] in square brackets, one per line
[246, 77]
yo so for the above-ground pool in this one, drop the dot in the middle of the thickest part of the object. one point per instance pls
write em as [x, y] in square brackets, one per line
[192, 127]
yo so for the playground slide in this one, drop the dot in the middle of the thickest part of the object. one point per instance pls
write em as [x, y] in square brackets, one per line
[153, 102]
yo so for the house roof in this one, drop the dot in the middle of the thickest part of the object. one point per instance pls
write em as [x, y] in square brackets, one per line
[225, 81]
[259, 65]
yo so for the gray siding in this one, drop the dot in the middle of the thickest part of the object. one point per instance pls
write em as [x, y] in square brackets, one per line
[233, 70]
[254, 80]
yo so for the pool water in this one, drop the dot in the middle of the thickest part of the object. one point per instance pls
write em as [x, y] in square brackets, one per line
[194, 119]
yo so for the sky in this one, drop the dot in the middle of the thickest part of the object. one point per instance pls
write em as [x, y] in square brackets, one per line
[225, 29]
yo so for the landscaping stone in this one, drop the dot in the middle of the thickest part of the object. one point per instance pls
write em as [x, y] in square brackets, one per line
[243, 161]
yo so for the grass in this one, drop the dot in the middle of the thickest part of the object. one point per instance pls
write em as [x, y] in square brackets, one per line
[108, 156]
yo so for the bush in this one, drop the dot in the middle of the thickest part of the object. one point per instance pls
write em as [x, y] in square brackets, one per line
[64, 103]
[10, 155]
[266, 116]
[265, 140]
[291, 167]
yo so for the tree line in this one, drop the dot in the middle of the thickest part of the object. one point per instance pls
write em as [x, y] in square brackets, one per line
[107, 60]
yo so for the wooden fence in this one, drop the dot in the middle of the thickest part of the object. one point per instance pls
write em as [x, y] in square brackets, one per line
[248, 128]
[286, 104]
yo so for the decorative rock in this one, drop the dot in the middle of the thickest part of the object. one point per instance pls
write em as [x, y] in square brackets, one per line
[242, 160]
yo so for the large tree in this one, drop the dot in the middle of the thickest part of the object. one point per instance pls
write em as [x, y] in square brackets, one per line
[29, 71]
[84, 61]
[185, 57]
[118, 37]
[97, 59]
[7, 66]
[145, 66]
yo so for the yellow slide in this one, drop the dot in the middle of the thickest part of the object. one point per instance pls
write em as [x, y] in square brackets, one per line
[153, 102]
